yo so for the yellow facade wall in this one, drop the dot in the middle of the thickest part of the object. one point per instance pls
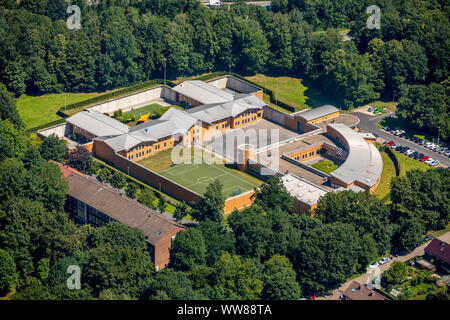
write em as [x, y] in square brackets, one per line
[327, 117]
[306, 154]
[148, 149]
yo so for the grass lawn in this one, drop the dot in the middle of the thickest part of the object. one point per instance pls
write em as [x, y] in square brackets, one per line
[407, 163]
[383, 190]
[39, 110]
[197, 175]
[296, 92]
[325, 166]
[144, 110]
[418, 286]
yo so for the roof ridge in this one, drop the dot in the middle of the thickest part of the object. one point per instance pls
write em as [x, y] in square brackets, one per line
[89, 113]
[133, 201]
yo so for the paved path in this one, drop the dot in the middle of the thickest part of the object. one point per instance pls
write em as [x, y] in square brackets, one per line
[419, 251]
[370, 124]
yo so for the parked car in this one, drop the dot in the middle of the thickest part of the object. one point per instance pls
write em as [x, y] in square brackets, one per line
[394, 146]
[374, 265]
[409, 152]
[371, 109]
[384, 260]
[429, 160]
[424, 158]
[413, 154]
[378, 110]
[428, 237]
[390, 143]
[443, 150]
[434, 163]
[437, 149]
[447, 153]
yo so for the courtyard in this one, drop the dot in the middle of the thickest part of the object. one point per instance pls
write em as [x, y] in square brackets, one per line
[198, 169]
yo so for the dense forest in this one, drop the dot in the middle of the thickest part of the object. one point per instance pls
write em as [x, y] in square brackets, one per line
[122, 42]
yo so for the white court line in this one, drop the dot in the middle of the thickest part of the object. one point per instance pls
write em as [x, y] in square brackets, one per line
[208, 178]
[182, 172]
[239, 178]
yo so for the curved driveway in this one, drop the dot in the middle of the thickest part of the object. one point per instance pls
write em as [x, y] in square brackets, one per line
[370, 124]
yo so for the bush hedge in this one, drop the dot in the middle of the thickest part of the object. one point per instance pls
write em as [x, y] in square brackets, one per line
[393, 157]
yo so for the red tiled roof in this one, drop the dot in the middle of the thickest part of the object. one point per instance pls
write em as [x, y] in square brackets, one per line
[357, 291]
[439, 249]
[66, 170]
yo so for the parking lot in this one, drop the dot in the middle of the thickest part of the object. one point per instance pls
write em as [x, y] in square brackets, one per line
[421, 150]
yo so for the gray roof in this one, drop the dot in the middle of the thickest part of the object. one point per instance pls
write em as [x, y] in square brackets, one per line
[203, 92]
[318, 112]
[363, 164]
[174, 121]
[97, 123]
[303, 190]
[218, 111]
[120, 207]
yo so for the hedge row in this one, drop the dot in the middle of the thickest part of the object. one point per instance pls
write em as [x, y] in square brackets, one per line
[115, 94]
[393, 157]
[158, 193]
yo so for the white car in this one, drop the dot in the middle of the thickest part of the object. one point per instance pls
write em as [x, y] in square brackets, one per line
[409, 152]
[429, 161]
[384, 260]
[374, 265]
[435, 162]
[370, 109]
[447, 153]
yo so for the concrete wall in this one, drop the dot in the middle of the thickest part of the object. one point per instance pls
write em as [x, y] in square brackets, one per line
[306, 167]
[274, 115]
[129, 101]
[61, 130]
[234, 84]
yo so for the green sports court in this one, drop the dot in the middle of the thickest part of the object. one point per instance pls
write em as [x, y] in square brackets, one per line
[197, 175]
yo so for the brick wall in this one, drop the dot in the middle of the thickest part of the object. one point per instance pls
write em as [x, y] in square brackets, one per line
[139, 172]
[162, 247]
[238, 202]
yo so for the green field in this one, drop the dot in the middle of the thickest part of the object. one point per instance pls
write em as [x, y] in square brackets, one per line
[197, 175]
[144, 110]
[325, 166]
[407, 163]
[39, 110]
[296, 92]
[383, 190]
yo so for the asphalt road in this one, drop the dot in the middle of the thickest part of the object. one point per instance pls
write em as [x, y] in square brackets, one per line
[370, 124]
[364, 278]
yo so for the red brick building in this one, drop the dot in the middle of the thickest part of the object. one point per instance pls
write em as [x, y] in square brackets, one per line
[90, 201]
